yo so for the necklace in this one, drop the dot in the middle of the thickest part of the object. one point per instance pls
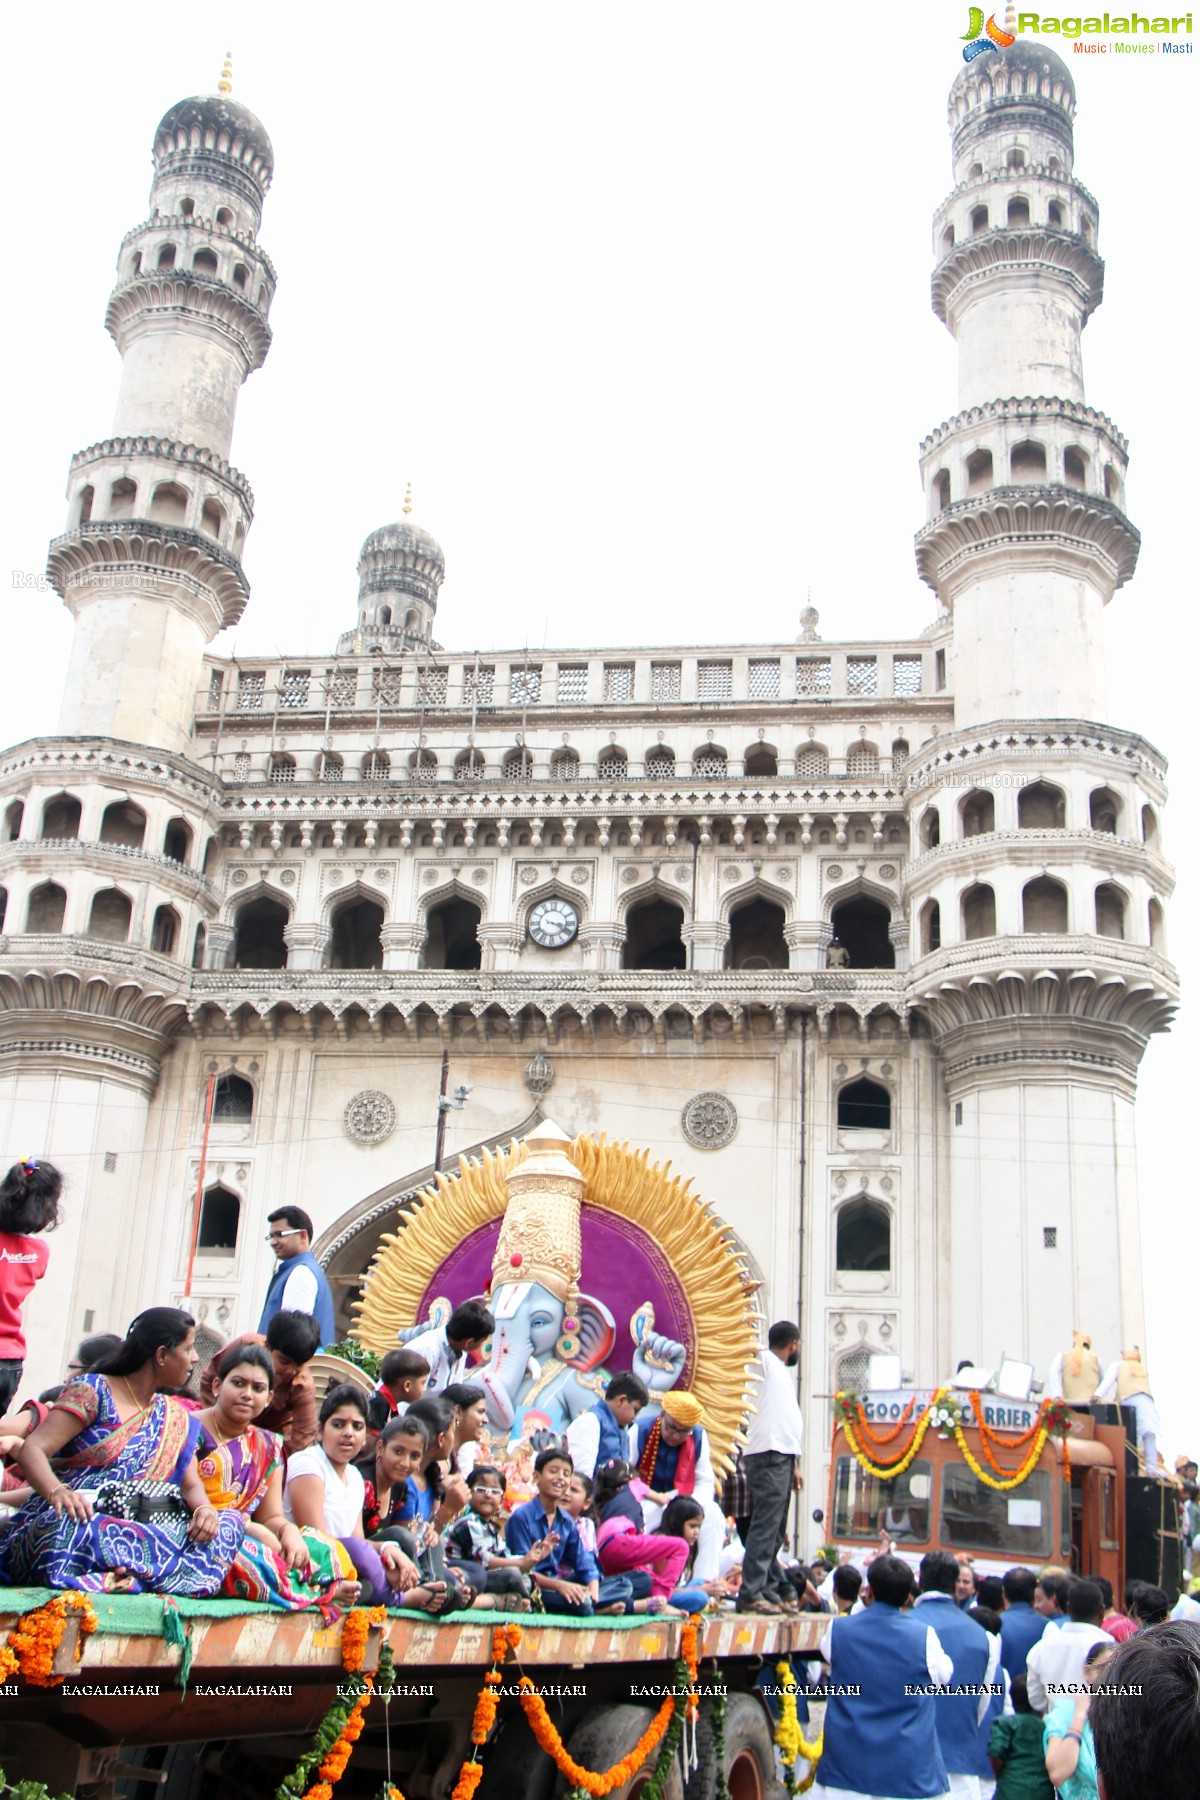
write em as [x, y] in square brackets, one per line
[209, 1420]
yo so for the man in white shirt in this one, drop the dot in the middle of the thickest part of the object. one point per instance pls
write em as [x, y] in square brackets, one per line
[770, 1458]
[447, 1347]
[1056, 1661]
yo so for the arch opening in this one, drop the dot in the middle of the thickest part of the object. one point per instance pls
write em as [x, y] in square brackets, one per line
[46, 909]
[756, 939]
[979, 912]
[452, 935]
[654, 936]
[220, 1215]
[124, 824]
[355, 941]
[110, 916]
[864, 1237]
[164, 931]
[861, 925]
[258, 940]
[60, 817]
[1041, 807]
[1044, 906]
[1110, 911]
[864, 1105]
[233, 1100]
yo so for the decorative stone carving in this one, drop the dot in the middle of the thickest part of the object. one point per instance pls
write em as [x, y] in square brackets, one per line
[479, 876]
[237, 878]
[709, 1121]
[887, 871]
[683, 873]
[579, 875]
[834, 871]
[528, 874]
[539, 1075]
[287, 877]
[369, 1118]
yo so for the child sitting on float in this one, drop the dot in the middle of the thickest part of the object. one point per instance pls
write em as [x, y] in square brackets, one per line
[624, 1545]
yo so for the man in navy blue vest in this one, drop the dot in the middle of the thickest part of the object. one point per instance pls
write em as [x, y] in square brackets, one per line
[601, 1434]
[881, 1734]
[1020, 1625]
[298, 1284]
[975, 1654]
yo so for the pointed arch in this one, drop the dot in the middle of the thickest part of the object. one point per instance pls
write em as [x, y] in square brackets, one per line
[554, 888]
[654, 888]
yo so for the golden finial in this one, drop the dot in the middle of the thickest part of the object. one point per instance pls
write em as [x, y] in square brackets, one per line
[225, 85]
[408, 500]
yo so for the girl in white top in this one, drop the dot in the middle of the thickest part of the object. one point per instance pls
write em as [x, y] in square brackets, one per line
[324, 1490]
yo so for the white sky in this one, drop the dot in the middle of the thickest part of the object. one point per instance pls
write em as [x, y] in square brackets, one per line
[637, 297]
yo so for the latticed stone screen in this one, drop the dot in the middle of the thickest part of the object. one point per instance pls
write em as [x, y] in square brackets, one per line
[241, 766]
[660, 765]
[906, 674]
[293, 689]
[812, 762]
[283, 771]
[814, 675]
[377, 767]
[216, 684]
[431, 686]
[479, 685]
[525, 685]
[519, 764]
[251, 688]
[764, 679]
[710, 764]
[714, 680]
[618, 681]
[564, 765]
[862, 759]
[386, 685]
[423, 766]
[665, 681]
[613, 765]
[332, 768]
[862, 675]
[469, 767]
[340, 687]
[572, 681]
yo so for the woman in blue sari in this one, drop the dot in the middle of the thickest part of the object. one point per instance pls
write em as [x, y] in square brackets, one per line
[110, 1427]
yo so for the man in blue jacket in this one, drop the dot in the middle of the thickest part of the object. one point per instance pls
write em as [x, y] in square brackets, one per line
[1020, 1625]
[298, 1284]
[975, 1653]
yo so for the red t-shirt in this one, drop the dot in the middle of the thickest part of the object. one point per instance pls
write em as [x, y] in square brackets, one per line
[22, 1263]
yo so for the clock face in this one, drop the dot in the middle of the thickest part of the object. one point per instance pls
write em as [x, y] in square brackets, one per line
[553, 923]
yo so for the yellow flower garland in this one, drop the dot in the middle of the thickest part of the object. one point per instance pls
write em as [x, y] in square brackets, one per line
[1011, 1481]
[915, 1442]
[789, 1738]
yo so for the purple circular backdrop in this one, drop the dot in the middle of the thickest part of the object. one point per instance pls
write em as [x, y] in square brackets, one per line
[622, 1265]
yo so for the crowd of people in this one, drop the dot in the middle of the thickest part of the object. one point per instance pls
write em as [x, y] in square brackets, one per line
[142, 1472]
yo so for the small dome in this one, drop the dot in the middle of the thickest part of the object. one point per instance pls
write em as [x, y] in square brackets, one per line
[400, 542]
[218, 117]
[1028, 57]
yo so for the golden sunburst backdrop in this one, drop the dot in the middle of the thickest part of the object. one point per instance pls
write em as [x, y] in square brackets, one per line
[680, 1226]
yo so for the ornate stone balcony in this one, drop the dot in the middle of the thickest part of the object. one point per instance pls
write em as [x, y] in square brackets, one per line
[119, 860]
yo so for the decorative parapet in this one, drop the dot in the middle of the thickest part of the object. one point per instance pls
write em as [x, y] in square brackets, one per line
[956, 758]
[176, 222]
[26, 851]
[186, 455]
[992, 849]
[1029, 410]
[109, 549]
[70, 761]
[1043, 516]
[1035, 250]
[175, 291]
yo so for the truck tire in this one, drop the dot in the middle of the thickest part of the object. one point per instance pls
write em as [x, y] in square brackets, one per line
[608, 1734]
[750, 1769]
[514, 1764]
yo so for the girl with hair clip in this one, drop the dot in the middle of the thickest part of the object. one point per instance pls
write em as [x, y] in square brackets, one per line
[683, 1518]
[122, 1508]
[29, 1197]
[623, 1545]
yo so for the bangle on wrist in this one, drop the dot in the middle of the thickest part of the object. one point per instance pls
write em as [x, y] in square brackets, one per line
[1077, 1735]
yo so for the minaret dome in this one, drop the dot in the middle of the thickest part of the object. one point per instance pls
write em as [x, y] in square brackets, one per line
[400, 572]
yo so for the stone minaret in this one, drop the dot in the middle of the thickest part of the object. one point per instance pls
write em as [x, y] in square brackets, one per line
[1037, 886]
[150, 562]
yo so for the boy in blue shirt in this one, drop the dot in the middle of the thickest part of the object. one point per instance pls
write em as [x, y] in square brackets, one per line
[567, 1576]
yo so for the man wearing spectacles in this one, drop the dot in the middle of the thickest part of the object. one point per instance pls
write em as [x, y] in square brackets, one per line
[298, 1284]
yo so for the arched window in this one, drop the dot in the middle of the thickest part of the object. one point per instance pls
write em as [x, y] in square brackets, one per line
[210, 857]
[654, 936]
[929, 831]
[166, 257]
[979, 219]
[862, 759]
[1054, 214]
[710, 763]
[169, 503]
[240, 276]
[330, 767]
[177, 840]
[518, 765]
[224, 217]
[812, 762]
[1027, 463]
[13, 816]
[979, 471]
[1075, 467]
[1018, 213]
[220, 1213]
[899, 751]
[233, 1099]
[187, 208]
[1044, 906]
[422, 767]
[978, 813]
[355, 941]
[110, 915]
[564, 765]
[864, 1237]
[1158, 936]
[1104, 809]
[1015, 159]
[612, 765]
[123, 823]
[756, 939]
[469, 766]
[979, 912]
[87, 499]
[164, 933]
[452, 936]
[864, 1105]
[199, 947]
[282, 772]
[660, 764]
[204, 262]
[122, 499]
[376, 766]
[931, 928]
[761, 763]
[212, 519]
[948, 239]
[861, 925]
[258, 940]
[1149, 828]
[1110, 911]
[1041, 807]
[3, 906]
[1112, 485]
[47, 908]
[60, 817]
[941, 489]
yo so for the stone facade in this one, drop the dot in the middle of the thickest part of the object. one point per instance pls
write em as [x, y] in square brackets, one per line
[867, 937]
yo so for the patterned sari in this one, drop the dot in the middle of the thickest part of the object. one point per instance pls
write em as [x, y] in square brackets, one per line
[236, 1475]
[106, 1555]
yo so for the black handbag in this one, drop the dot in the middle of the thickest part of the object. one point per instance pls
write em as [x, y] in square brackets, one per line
[143, 1502]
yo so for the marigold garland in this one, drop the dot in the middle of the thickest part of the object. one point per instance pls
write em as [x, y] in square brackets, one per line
[1010, 1481]
[789, 1738]
[598, 1783]
[343, 1724]
[880, 1439]
[487, 1704]
[1050, 1418]
[33, 1642]
[914, 1444]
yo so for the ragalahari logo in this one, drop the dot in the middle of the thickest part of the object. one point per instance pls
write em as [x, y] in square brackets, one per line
[975, 43]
